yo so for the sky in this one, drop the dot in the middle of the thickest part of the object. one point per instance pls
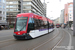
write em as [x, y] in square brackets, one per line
[54, 7]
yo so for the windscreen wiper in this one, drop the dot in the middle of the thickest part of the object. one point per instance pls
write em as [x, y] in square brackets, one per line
[23, 27]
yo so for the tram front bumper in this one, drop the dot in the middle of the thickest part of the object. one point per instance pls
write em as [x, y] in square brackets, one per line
[23, 36]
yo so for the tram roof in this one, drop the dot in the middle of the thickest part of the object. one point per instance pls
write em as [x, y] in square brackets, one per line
[28, 15]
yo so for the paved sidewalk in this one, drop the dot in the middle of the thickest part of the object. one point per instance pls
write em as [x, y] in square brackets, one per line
[73, 37]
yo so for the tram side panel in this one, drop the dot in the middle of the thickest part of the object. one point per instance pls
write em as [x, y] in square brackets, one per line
[40, 28]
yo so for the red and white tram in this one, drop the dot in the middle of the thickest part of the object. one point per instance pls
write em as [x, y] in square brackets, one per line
[29, 25]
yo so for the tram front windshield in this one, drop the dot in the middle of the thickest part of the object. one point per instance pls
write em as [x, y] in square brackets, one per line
[21, 23]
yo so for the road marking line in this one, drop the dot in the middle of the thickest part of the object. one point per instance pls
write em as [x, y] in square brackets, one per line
[57, 43]
[46, 41]
[5, 36]
[70, 42]
[6, 40]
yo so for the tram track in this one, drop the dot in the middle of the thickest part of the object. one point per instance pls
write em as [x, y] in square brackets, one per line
[58, 42]
[6, 40]
[5, 36]
[64, 47]
[9, 44]
[40, 45]
[12, 43]
[43, 43]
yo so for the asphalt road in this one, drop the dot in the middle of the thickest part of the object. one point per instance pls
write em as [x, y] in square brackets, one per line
[59, 39]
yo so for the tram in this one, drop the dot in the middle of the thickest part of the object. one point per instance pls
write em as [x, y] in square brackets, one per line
[30, 25]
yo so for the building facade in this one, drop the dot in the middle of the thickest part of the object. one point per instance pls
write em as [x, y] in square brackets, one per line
[3, 13]
[68, 13]
[15, 7]
[61, 20]
[57, 21]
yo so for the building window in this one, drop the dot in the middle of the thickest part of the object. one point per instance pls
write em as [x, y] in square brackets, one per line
[7, 9]
[13, 6]
[26, 3]
[27, 11]
[26, 7]
[71, 8]
[13, 2]
[3, 13]
[70, 17]
[4, 18]
[71, 5]
[70, 11]
[7, 13]
[7, 6]
[14, 13]
[3, 7]
[13, 9]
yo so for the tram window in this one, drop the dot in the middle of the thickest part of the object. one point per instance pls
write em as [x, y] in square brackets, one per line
[30, 24]
[36, 23]
[40, 22]
[45, 24]
[49, 25]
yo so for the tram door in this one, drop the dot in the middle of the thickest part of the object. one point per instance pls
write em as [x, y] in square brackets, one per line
[31, 26]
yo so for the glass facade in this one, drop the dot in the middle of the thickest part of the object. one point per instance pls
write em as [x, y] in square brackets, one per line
[7, 9]
[26, 7]
[3, 10]
[13, 6]
[14, 13]
[13, 2]
[26, 3]
[13, 10]
[26, 11]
